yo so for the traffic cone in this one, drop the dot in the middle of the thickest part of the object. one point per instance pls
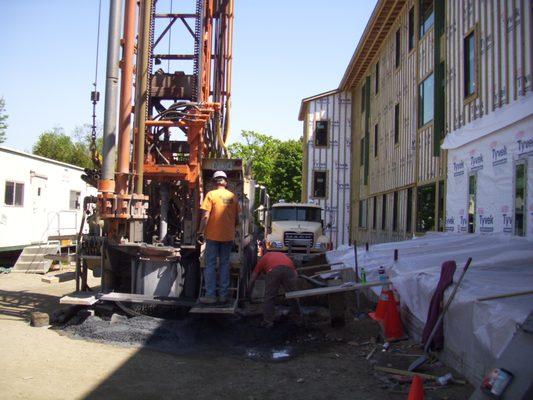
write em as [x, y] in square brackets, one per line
[381, 308]
[392, 324]
[416, 392]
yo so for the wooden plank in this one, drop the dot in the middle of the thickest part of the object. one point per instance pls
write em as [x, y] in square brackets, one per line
[62, 277]
[345, 287]
[311, 267]
[146, 299]
[506, 295]
[81, 298]
[409, 373]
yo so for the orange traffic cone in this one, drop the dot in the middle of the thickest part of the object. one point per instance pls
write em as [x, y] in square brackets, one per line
[392, 324]
[381, 308]
[417, 389]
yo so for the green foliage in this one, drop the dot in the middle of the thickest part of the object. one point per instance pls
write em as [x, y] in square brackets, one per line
[260, 150]
[276, 164]
[3, 118]
[57, 145]
[287, 172]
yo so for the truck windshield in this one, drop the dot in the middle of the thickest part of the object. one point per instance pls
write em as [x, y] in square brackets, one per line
[296, 214]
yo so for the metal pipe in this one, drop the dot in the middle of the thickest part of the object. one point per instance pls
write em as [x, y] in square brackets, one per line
[141, 87]
[126, 83]
[111, 91]
[163, 221]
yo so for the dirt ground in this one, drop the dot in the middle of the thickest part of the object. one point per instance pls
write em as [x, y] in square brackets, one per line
[96, 357]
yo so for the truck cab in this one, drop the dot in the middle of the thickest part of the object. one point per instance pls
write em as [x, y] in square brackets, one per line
[297, 227]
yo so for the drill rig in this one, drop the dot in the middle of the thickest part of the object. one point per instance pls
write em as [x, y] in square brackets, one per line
[157, 164]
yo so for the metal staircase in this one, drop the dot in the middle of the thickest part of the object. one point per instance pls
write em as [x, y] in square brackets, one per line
[33, 260]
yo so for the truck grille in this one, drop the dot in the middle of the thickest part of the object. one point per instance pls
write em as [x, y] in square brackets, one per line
[298, 239]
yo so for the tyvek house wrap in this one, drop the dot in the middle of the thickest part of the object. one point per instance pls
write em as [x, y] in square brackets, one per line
[492, 159]
[476, 333]
[490, 148]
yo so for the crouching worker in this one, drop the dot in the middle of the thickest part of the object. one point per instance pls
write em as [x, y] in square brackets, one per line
[280, 272]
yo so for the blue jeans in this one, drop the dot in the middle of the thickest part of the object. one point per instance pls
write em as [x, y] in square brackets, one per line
[214, 250]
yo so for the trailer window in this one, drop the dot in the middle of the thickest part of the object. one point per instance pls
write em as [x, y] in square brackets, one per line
[74, 201]
[14, 194]
[310, 214]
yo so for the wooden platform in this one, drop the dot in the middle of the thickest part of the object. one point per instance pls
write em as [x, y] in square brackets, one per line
[228, 308]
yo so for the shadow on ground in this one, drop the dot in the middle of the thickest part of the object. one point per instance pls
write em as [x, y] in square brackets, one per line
[227, 358]
[21, 303]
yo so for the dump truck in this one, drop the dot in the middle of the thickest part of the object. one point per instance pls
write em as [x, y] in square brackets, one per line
[172, 133]
[296, 228]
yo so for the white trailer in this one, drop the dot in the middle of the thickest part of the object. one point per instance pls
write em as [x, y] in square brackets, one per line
[39, 198]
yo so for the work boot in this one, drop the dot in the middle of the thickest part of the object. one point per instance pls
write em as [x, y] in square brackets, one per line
[222, 299]
[207, 300]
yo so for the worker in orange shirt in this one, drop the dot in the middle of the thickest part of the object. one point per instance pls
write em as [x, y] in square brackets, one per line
[220, 216]
[280, 272]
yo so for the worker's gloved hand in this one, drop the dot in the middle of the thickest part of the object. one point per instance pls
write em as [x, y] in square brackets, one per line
[200, 238]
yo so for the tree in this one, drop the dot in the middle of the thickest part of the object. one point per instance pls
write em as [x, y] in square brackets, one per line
[286, 178]
[57, 145]
[260, 150]
[276, 164]
[3, 118]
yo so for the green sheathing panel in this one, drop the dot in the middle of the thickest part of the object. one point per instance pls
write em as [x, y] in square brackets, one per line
[367, 127]
[439, 76]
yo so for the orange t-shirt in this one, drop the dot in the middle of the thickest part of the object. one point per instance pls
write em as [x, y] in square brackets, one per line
[223, 207]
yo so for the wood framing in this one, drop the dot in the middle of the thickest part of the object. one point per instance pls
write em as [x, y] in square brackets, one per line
[408, 159]
[334, 159]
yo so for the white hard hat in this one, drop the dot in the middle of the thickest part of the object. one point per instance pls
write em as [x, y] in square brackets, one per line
[220, 174]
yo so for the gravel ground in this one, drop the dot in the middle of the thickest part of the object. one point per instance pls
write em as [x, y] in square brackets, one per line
[193, 357]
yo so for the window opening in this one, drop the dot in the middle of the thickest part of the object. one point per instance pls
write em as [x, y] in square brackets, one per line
[520, 199]
[472, 189]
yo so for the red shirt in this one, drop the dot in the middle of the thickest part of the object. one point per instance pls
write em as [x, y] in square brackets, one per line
[272, 260]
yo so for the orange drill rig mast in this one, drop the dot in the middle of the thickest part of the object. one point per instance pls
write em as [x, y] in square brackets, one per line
[149, 199]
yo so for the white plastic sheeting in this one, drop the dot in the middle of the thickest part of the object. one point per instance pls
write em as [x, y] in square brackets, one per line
[475, 332]
[492, 159]
[492, 122]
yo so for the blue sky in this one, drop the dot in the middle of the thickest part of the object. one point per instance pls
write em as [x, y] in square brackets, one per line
[283, 51]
